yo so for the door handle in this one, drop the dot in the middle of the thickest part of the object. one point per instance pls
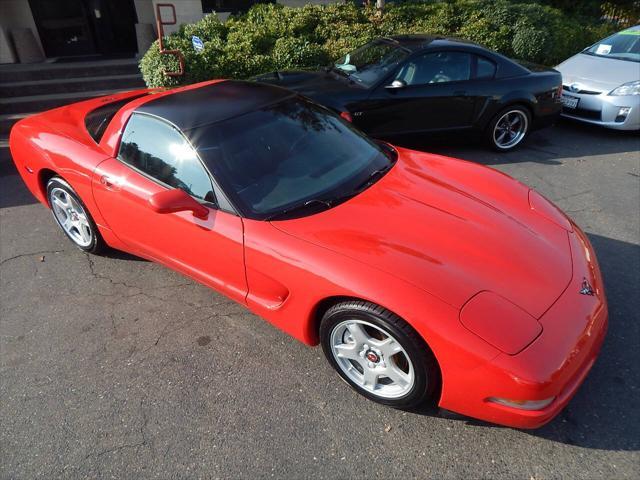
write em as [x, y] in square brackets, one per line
[460, 93]
[109, 183]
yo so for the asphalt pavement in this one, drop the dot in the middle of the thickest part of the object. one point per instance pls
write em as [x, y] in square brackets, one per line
[115, 367]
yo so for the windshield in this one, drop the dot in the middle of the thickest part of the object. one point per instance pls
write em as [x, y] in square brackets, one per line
[369, 64]
[286, 156]
[624, 45]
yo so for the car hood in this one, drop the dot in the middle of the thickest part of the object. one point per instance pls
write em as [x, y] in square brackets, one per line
[325, 87]
[597, 73]
[450, 227]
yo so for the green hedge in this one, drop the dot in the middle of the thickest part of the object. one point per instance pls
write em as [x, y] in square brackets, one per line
[274, 37]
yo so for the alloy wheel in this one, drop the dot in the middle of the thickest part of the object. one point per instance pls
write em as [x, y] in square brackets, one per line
[71, 216]
[510, 129]
[372, 358]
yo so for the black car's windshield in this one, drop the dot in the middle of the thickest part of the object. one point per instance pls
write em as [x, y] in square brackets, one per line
[288, 159]
[624, 45]
[369, 64]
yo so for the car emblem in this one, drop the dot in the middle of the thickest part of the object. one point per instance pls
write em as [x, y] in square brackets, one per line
[586, 288]
[372, 357]
[574, 87]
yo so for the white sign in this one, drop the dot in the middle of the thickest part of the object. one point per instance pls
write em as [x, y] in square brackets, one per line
[198, 44]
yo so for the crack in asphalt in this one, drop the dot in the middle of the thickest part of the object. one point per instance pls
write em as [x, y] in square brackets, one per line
[143, 442]
[94, 274]
[30, 254]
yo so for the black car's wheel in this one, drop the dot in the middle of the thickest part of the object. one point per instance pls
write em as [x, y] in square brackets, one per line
[379, 354]
[73, 217]
[509, 128]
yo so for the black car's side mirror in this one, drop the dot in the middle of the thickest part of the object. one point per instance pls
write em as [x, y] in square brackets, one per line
[396, 84]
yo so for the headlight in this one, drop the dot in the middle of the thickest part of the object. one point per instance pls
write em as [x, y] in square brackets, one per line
[630, 88]
[499, 322]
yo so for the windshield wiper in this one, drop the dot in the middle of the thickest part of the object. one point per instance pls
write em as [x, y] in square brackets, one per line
[374, 176]
[309, 204]
[341, 72]
[331, 201]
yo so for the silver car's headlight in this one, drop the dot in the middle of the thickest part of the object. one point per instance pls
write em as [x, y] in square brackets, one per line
[630, 88]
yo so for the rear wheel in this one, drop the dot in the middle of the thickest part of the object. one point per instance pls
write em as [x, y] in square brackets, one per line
[379, 354]
[73, 217]
[509, 128]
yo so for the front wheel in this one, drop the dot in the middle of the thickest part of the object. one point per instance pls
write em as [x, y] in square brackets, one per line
[509, 128]
[72, 216]
[379, 354]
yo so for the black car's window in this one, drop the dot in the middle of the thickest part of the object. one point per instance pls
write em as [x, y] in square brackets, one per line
[437, 67]
[284, 155]
[486, 68]
[159, 150]
[372, 62]
[97, 121]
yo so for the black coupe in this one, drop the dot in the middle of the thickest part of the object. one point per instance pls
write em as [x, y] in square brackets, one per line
[418, 83]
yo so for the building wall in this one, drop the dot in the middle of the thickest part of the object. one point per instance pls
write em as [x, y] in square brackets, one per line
[145, 11]
[187, 11]
[15, 14]
[302, 3]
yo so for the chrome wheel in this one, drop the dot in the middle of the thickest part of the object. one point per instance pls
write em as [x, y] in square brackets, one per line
[372, 359]
[71, 216]
[510, 129]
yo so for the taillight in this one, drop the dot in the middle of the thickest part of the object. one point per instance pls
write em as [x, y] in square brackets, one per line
[347, 116]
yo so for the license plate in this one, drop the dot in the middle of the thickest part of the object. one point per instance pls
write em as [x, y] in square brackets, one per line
[569, 101]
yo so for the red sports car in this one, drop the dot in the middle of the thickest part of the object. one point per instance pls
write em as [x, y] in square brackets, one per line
[423, 277]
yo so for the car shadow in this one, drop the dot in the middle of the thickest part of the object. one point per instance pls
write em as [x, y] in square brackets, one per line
[567, 139]
[120, 255]
[605, 412]
[13, 192]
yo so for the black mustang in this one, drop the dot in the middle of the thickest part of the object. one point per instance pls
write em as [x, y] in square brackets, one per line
[418, 83]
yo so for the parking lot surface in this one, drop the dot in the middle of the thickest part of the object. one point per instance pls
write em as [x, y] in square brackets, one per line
[114, 367]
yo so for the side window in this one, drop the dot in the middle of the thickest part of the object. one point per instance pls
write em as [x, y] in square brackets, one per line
[437, 67]
[486, 68]
[161, 152]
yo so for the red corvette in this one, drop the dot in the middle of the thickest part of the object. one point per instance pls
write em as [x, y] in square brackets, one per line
[423, 277]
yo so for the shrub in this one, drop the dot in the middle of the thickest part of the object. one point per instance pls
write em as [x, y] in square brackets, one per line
[290, 52]
[272, 36]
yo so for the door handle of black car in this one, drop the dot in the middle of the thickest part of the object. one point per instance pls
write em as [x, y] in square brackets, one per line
[460, 93]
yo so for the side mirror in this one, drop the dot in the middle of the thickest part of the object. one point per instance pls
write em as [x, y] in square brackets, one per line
[396, 84]
[176, 200]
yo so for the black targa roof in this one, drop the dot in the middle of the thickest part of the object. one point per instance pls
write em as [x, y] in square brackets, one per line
[213, 103]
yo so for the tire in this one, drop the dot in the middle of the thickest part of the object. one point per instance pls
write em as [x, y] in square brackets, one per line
[506, 139]
[355, 338]
[73, 217]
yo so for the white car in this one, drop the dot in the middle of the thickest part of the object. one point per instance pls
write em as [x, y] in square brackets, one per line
[601, 84]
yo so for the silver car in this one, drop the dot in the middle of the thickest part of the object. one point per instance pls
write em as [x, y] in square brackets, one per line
[601, 84]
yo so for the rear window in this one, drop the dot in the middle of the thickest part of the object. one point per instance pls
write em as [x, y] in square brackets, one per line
[97, 120]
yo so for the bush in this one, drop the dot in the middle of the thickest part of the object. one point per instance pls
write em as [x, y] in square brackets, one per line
[272, 36]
